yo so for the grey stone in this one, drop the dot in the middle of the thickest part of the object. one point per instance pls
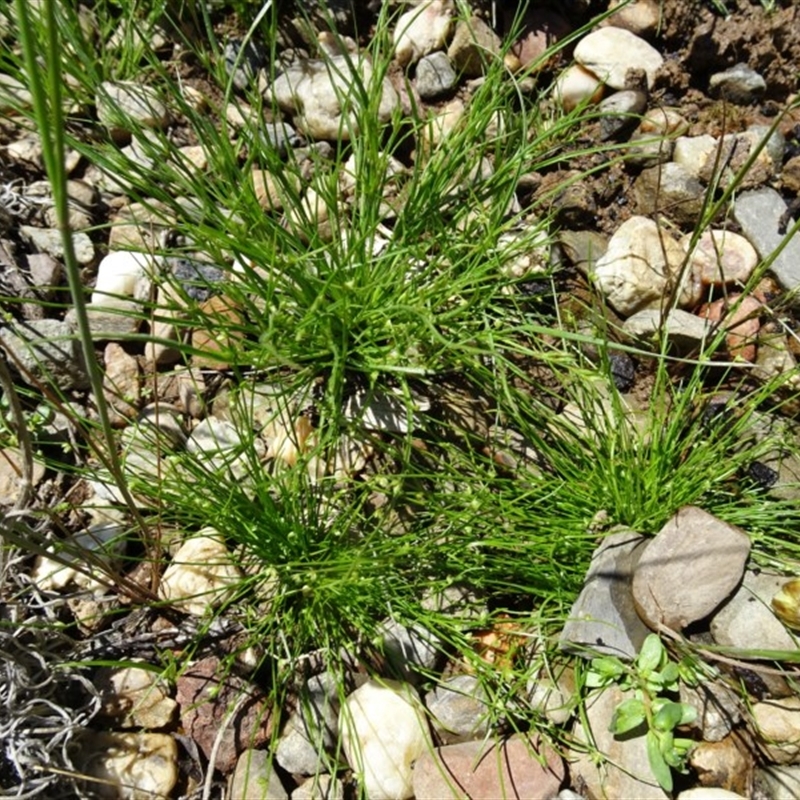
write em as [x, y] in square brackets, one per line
[776, 143]
[626, 773]
[620, 112]
[685, 331]
[760, 215]
[459, 709]
[46, 350]
[689, 569]
[114, 320]
[718, 709]
[435, 76]
[747, 622]
[779, 782]
[125, 106]
[739, 84]
[280, 135]
[603, 618]
[583, 248]
[48, 240]
[611, 53]
[255, 779]
[243, 66]
[669, 189]
[213, 435]
[310, 733]
[409, 651]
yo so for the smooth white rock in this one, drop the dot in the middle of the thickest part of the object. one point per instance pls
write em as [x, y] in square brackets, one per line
[641, 263]
[709, 793]
[126, 105]
[130, 766]
[136, 697]
[383, 731]
[212, 435]
[610, 52]
[312, 91]
[777, 724]
[124, 274]
[576, 85]
[692, 152]
[201, 575]
[422, 29]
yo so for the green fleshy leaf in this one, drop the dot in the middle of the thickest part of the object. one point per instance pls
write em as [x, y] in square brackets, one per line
[651, 655]
[629, 715]
[660, 768]
[668, 717]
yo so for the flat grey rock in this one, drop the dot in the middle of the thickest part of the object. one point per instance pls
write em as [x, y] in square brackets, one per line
[685, 331]
[603, 618]
[45, 350]
[759, 213]
[435, 76]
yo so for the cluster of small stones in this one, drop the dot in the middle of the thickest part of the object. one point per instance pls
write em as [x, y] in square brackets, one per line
[695, 569]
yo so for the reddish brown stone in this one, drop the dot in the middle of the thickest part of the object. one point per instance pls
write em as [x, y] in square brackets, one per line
[207, 693]
[519, 767]
[740, 317]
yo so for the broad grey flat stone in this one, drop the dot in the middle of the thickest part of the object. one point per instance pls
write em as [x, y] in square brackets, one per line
[685, 331]
[760, 212]
[603, 618]
[44, 351]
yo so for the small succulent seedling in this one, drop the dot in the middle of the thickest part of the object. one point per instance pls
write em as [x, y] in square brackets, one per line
[650, 677]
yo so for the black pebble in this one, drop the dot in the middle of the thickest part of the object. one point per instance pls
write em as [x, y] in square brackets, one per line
[623, 371]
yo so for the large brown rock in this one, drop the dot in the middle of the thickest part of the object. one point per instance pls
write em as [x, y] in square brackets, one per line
[482, 771]
[691, 567]
[207, 694]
